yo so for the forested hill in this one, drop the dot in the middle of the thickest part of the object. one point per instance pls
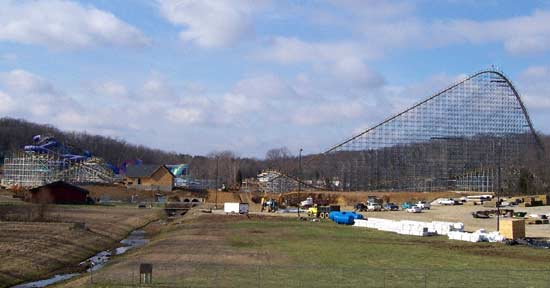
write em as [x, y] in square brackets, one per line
[15, 133]
[228, 167]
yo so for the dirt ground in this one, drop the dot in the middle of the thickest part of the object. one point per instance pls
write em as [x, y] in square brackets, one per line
[39, 240]
[200, 239]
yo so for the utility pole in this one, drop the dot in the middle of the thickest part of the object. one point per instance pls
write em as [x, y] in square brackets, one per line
[499, 187]
[217, 167]
[299, 179]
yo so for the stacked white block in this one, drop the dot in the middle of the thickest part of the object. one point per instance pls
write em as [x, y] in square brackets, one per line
[407, 227]
[478, 236]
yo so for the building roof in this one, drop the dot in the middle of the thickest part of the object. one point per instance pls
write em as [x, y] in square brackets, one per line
[58, 184]
[135, 171]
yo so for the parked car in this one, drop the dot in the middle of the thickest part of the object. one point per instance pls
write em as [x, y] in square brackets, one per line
[406, 205]
[446, 201]
[414, 209]
[391, 207]
[423, 205]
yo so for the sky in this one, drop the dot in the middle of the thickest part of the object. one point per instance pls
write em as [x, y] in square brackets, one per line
[196, 77]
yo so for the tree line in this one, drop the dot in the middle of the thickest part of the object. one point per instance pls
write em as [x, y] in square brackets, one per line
[230, 169]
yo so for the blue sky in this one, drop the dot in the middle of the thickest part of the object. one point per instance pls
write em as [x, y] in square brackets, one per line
[242, 75]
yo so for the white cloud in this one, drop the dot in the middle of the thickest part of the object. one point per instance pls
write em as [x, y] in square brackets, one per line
[519, 35]
[342, 61]
[184, 115]
[62, 24]
[111, 89]
[211, 23]
[376, 8]
[6, 103]
[534, 87]
[386, 25]
[328, 112]
[34, 94]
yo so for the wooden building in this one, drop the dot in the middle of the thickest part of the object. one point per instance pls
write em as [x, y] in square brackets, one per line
[149, 177]
[58, 193]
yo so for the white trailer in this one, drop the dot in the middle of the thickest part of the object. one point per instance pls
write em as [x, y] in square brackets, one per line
[235, 208]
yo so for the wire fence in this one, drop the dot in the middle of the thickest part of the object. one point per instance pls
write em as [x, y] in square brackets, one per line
[223, 275]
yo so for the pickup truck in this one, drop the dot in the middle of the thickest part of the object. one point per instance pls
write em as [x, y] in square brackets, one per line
[423, 205]
[390, 207]
[374, 207]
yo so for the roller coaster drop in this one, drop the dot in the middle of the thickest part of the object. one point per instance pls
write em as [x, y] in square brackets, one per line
[453, 140]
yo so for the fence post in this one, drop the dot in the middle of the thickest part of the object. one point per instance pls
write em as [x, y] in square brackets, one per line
[384, 274]
[260, 276]
[342, 275]
[425, 278]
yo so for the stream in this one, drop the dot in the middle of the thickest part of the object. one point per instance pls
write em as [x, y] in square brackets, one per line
[135, 239]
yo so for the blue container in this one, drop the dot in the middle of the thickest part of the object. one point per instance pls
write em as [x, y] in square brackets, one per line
[343, 219]
[331, 214]
[347, 213]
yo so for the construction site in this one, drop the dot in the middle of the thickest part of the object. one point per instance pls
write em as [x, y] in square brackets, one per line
[452, 186]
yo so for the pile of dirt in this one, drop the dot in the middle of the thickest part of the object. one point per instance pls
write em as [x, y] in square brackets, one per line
[222, 197]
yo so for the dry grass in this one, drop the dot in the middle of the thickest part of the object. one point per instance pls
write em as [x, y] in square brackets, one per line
[39, 246]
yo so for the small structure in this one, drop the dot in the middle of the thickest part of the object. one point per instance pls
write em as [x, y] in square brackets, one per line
[149, 177]
[235, 208]
[145, 273]
[59, 192]
[513, 228]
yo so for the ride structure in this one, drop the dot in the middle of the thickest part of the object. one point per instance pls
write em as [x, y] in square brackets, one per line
[476, 135]
[48, 160]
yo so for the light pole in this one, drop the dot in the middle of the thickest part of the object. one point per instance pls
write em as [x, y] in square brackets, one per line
[299, 178]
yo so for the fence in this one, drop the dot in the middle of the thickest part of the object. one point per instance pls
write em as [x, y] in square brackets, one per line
[218, 275]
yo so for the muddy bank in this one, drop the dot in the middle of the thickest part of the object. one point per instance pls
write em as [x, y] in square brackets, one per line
[36, 250]
[135, 239]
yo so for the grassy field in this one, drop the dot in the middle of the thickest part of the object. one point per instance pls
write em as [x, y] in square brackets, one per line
[38, 241]
[236, 251]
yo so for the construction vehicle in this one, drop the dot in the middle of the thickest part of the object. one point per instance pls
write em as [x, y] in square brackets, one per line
[307, 203]
[372, 204]
[361, 207]
[270, 205]
[322, 211]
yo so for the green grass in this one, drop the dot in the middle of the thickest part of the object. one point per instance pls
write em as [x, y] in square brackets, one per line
[330, 244]
[305, 254]
[349, 256]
